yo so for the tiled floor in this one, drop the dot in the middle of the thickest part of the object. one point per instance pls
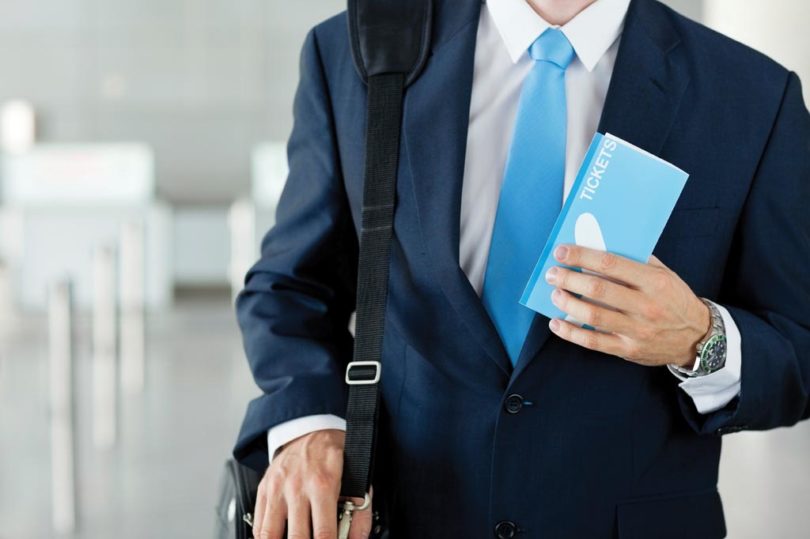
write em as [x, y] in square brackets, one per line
[161, 479]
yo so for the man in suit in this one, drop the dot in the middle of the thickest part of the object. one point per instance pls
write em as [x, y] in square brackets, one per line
[496, 421]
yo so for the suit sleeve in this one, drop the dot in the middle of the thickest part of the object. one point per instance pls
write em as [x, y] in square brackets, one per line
[767, 284]
[295, 307]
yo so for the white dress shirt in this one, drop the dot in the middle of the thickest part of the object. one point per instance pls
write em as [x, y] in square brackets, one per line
[506, 30]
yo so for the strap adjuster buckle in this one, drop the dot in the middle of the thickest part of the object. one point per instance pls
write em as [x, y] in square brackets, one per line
[365, 380]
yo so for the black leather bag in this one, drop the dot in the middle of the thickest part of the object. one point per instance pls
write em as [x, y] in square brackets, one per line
[236, 501]
[390, 42]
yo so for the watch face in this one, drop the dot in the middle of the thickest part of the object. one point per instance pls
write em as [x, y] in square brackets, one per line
[713, 355]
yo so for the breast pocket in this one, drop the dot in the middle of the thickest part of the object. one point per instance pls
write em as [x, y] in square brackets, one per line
[692, 245]
[691, 223]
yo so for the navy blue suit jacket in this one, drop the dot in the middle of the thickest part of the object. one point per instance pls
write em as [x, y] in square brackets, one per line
[595, 446]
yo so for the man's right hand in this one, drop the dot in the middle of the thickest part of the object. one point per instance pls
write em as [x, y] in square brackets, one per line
[300, 489]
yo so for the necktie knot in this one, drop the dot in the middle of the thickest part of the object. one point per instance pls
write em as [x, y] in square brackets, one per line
[552, 46]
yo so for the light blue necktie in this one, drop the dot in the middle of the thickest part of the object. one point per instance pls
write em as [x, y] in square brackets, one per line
[532, 190]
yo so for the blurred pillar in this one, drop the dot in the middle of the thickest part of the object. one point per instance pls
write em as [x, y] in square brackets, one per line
[104, 348]
[63, 463]
[132, 331]
[242, 222]
[17, 126]
[6, 304]
[778, 29]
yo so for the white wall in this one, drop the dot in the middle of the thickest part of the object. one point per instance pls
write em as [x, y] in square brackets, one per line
[200, 81]
[201, 246]
[691, 8]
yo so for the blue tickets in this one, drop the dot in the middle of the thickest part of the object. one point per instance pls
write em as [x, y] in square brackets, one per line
[620, 202]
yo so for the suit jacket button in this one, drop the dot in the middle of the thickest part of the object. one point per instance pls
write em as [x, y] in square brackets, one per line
[505, 529]
[514, 403]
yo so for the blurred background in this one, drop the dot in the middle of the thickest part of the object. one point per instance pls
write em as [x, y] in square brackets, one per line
[142, 156]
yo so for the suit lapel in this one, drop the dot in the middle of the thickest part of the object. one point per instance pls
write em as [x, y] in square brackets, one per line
[645, 90]
[435, 122]
[648, 80]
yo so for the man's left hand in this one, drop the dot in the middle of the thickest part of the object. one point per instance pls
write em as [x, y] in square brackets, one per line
[644, 313]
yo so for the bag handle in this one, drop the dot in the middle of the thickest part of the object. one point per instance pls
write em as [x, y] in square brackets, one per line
[390, 44]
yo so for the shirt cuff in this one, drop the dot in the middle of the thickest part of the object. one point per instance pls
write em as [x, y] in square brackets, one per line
[295, 428]
[714, 391]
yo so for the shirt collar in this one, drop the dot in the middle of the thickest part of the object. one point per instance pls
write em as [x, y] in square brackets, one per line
[591, 32]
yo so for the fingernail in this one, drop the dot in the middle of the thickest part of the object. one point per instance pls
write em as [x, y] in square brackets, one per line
[556, 296]
[551, 274]
[554, 324]
[561, 252]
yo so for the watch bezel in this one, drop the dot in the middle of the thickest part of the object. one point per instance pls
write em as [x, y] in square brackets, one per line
[708, 360]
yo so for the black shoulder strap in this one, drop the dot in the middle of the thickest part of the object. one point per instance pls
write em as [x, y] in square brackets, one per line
[390, 43]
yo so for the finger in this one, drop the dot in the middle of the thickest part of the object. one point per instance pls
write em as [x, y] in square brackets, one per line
[595, 288]
[275, 517]
[258, 511]
[592, 340]
[593, 315]
[609, 264]
[299, 524]
[361, 523]
[324, 514]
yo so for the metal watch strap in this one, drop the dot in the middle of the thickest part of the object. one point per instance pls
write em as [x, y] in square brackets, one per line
[717, 328]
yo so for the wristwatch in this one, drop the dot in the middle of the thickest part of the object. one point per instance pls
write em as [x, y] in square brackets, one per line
[711, 350]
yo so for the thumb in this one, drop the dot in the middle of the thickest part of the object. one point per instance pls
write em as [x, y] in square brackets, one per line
[362, 521]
